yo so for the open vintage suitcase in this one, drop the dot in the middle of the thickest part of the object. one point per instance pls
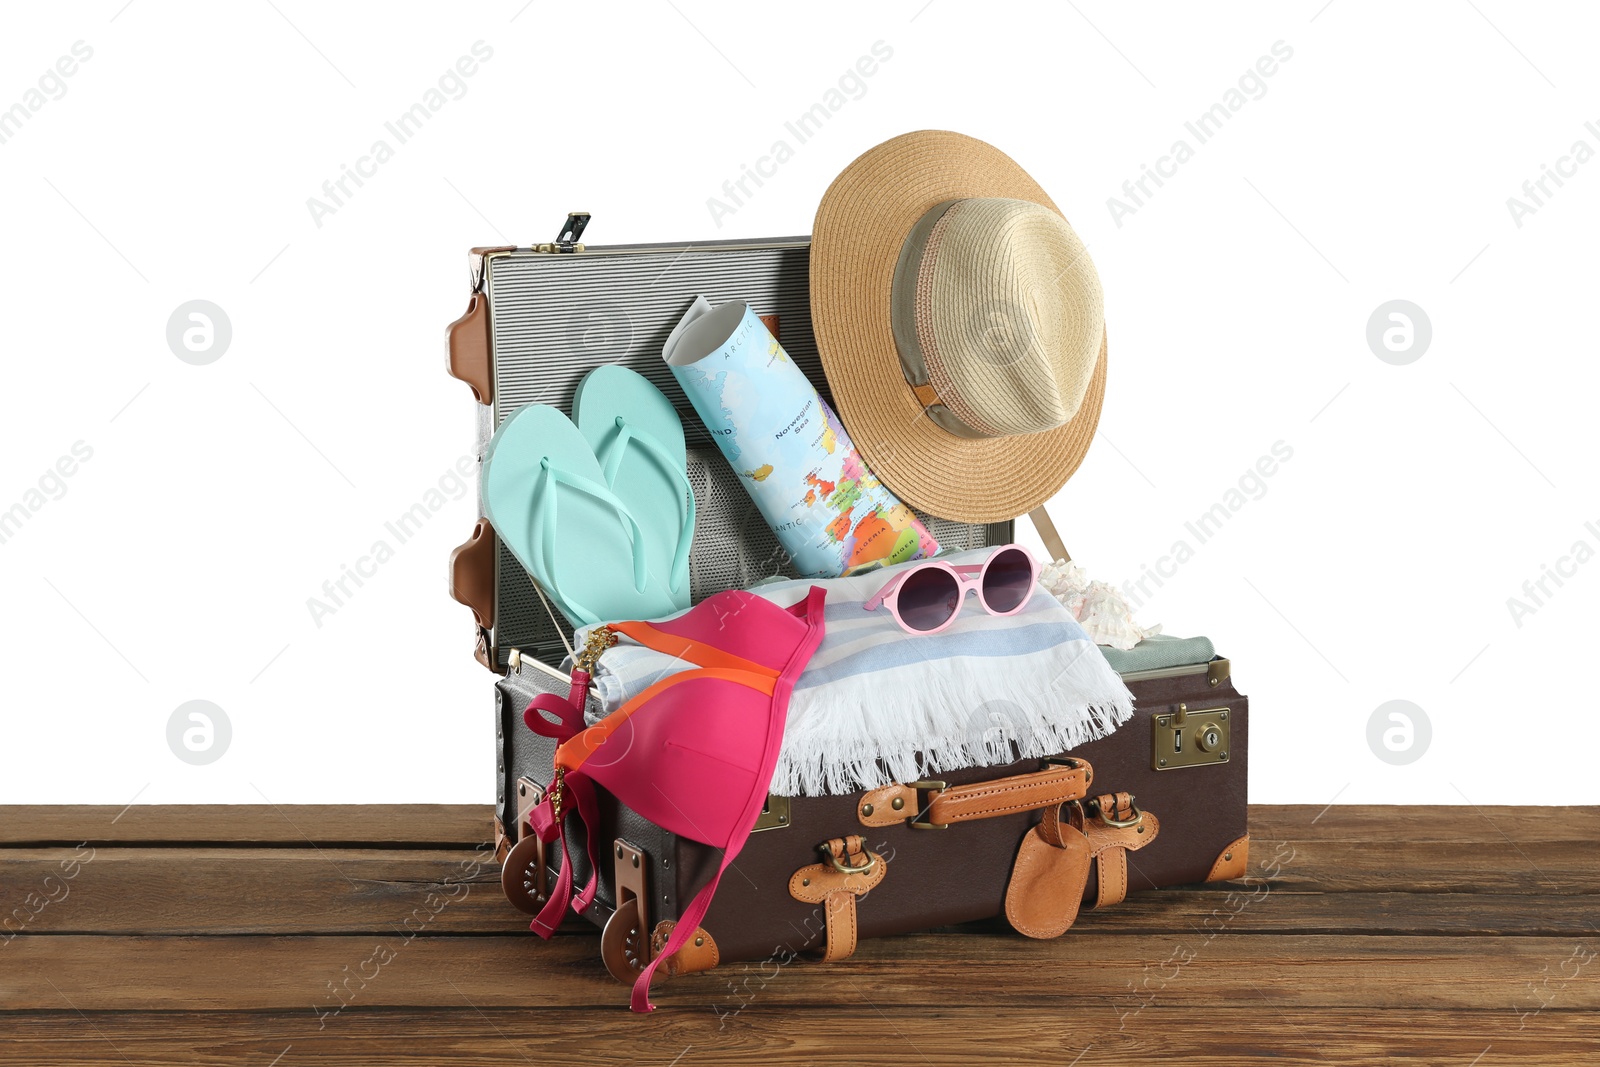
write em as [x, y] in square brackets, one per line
[539, 318]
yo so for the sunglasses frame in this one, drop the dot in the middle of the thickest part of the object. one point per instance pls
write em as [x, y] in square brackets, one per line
[968, 577]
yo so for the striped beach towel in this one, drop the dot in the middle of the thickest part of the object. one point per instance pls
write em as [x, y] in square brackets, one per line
[877, 705]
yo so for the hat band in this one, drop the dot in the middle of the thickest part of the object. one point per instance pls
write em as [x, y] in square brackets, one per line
[903, 319]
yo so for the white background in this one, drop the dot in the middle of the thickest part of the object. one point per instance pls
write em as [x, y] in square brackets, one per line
[1376, 566]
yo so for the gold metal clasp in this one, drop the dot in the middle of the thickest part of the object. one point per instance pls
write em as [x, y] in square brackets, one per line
[558, 786]
[1134, 820]
[600, 639]
[1189, 738]
[860, 868]
[926, 785]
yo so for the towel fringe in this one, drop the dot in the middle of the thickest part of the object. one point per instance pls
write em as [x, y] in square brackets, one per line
[813, 765]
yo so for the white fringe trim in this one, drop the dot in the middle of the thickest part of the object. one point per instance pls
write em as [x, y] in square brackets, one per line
[982, 730]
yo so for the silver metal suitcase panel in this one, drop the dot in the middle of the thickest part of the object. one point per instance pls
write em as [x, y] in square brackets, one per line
[554, 317]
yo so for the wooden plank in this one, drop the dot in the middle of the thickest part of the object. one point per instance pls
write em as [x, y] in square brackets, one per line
[1186, 969]
[429, 825]
[1241, 911]
[251, 891]
[194, 889]
[936, 1036]
[334, 890]
[1400, 825]
[1427, 866]
[298, 825]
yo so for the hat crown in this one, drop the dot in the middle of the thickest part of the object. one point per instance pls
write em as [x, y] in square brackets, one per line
[1009, 314]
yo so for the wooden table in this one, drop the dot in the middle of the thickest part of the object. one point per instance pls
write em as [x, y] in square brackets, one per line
[322, 935]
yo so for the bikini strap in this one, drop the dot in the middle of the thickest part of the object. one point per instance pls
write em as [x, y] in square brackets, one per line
[696, 652]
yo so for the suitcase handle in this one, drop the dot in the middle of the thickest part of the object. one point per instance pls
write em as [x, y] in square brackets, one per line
[934, 805]
[472, 573]
[469, 349]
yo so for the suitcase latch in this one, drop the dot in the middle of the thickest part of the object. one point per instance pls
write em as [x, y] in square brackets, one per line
[774, 814]
[1185, 738]
[567, 239]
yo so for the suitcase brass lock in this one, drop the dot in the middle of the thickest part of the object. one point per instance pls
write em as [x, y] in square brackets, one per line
[774, 814]
[1186, 738]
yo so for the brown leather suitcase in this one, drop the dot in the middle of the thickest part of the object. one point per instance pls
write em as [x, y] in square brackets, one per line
[1161, 800]
[934, 877]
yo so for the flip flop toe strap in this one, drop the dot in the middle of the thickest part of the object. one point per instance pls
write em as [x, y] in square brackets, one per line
[613, 463]
[545, 526]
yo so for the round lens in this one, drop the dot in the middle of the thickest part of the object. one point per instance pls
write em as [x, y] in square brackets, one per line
[1008, 583]
[928, 597]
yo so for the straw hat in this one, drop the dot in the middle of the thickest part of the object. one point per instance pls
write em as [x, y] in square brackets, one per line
[961, 326]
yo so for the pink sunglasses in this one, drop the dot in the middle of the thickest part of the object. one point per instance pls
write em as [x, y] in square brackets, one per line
[926, 599]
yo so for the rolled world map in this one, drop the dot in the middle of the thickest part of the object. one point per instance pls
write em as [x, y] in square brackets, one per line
[790, 450]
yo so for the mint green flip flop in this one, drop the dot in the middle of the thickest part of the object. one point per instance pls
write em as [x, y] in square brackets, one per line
[638, 438]
[546, 497]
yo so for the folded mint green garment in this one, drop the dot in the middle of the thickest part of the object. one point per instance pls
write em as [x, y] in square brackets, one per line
[1159, 652]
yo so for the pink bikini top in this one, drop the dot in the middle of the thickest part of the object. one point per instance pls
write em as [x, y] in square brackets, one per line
[693, 753]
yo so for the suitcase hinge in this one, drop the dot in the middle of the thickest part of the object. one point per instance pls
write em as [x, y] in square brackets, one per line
[567, 239]
[529, 796]
[625, 943]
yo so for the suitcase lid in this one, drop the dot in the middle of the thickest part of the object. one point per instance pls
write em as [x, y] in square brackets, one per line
[542, 317]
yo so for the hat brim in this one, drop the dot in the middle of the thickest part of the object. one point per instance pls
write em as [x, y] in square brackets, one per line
[862, 222]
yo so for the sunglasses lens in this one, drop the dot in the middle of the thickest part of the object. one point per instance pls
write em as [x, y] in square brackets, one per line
[1008, 583]
[928, 597]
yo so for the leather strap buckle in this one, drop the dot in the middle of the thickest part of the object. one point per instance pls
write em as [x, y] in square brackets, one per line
[926, 785]
[865, 867]
[836, 884]
[1095, 808]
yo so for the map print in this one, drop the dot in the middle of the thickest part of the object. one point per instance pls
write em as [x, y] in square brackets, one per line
[796, 459]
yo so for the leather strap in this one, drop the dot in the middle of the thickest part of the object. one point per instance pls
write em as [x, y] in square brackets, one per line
[887, 805]
[1112, 868]
[839, 911]
[1047, 788]
[1052, 867]
[1108, 845]
[851, 871]
[1046, 886]
[1117, 807]
[1051, 537]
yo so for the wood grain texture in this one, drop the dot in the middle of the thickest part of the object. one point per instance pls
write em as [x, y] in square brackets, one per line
[168, 890]
[1455, 823]
[939, 1037]
[470, 824]
[973, 969]
[1320, 887]
[378, 935]
[294, 825]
